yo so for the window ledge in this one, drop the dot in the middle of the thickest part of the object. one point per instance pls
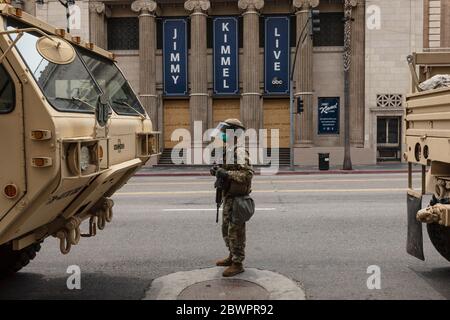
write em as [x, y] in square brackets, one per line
[125, 52]
[328, 49]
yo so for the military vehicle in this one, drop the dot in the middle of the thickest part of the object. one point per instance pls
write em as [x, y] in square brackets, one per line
[428, 145]
[72, 132]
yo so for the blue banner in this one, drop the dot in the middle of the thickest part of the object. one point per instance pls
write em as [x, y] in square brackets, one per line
[276, 55]
[328, 115]
[175, 58]
[226, 56]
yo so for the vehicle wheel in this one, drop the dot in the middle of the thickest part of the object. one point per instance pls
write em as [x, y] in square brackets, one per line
[440, 237]
[12, 261]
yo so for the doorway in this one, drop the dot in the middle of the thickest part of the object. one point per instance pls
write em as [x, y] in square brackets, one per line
[388, 138]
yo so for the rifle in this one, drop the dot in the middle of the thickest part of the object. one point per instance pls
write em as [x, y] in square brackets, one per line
[219, 185]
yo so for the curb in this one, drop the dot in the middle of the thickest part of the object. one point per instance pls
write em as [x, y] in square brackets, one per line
[280, 173]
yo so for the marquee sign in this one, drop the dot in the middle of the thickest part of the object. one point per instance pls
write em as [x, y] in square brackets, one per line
[276, 55]
[175, 57]
[226, 56]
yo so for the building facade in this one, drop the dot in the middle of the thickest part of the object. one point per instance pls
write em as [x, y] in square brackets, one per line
[187, 67]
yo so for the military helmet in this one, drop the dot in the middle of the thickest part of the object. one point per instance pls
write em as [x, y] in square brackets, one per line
[221, 130]
[235, 124]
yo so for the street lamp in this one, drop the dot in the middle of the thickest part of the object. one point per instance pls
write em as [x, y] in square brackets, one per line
[314, 27]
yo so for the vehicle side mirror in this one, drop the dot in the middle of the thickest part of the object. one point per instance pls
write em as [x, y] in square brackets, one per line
[55, 49]
[102, 110]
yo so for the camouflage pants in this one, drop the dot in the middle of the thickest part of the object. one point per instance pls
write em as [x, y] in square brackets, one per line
[233, 234]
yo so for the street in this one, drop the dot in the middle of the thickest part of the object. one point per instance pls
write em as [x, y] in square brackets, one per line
[322, 231]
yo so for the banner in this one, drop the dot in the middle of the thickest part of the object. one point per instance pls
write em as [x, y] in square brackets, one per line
[175, 57]
[328, 115]
[226, 56]
[276, 55]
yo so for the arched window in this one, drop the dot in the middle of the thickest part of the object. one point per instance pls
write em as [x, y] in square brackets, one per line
[6, 91]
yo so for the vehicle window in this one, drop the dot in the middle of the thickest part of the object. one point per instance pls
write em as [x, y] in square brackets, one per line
[113, 83]
[6, 91]
[67, 87]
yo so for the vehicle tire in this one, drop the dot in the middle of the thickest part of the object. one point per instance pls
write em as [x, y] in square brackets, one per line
[440, 237]
[12, 261]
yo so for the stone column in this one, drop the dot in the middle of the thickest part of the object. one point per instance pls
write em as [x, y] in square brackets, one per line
[251, 111]
[97, 23]
[357, 76]
[198, 72]
[147, 57]
[304, 75]
[445, 23]
[30, 7]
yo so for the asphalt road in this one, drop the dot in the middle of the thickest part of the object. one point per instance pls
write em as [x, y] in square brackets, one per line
[323, 231]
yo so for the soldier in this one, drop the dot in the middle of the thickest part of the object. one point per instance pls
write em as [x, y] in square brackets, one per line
[237, 173]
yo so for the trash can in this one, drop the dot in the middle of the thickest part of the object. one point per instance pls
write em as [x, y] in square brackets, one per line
[324, 161]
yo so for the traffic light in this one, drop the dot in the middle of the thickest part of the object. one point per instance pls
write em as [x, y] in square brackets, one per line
[315, 22]
[300, 105]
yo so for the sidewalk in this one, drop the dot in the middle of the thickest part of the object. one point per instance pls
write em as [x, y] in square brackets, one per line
[161, 171]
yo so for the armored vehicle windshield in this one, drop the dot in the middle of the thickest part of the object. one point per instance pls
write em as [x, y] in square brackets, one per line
[6, 92]
[76, 86]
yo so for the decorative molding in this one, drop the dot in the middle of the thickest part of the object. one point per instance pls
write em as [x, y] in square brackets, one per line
[387, 111]
[97, 7]
[305, 4]
[389, 100]
[251, 5]
[144, 6]
[197, 6]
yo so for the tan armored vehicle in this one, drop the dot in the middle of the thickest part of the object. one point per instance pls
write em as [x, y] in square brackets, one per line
[72, 132]
[428, 144]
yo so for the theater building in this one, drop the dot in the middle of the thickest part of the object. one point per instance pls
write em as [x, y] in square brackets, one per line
[200, 60]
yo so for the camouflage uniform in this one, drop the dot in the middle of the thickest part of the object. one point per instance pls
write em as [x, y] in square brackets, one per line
[238, 184]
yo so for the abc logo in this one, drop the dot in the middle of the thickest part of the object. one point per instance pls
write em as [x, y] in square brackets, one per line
[277, 82]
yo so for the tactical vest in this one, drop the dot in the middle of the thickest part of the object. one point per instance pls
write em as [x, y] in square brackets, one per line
[233, 188]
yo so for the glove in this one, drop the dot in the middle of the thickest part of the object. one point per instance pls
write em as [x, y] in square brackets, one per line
[221, 173]
[213, 170]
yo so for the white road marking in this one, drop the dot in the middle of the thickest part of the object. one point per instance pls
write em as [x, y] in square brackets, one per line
[210, 209]
[324, 191]
[261, 181]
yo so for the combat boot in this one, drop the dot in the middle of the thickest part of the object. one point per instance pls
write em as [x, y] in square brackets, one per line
[226, 262]
[233, 270]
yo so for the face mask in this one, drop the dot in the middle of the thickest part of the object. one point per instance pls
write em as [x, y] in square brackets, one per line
[223, 137]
